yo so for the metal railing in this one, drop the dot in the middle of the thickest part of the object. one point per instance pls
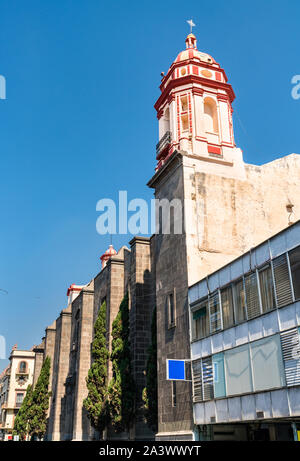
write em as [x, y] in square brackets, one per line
[164, 142]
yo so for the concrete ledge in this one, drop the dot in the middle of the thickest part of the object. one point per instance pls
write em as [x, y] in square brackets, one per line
[176, 435]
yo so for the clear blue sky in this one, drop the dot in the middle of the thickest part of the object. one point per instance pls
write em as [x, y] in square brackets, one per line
[78, 123]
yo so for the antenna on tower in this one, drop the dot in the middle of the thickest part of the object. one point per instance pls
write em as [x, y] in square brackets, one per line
[191, 24]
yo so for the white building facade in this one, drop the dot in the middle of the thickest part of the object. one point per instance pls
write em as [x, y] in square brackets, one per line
[245, 345]
[14, 382]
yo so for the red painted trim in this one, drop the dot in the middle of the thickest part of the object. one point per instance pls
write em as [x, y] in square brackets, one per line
[171, 98]
[178, 116]
[230, 124]
[219, 76]
[213, 149]
[175, 65]
[197, 91]
[195, 70]
[190, 113]
[73, 288]
[222, 97]
[162, 154]
[223, 143]
[193, 79]
[160, 113]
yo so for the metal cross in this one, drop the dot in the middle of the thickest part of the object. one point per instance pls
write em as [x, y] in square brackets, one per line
[191, 24]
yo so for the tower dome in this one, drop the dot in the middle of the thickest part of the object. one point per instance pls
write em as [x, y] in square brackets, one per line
[191, 52]
[195, 108]
[107, 255]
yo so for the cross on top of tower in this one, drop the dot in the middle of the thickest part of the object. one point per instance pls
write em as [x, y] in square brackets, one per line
[191, 41]
[191, 24]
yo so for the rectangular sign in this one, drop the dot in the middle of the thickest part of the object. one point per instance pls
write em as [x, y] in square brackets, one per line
[176, 370]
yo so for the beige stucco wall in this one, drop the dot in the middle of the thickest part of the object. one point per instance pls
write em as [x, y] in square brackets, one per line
[14, 386]
[226, 216]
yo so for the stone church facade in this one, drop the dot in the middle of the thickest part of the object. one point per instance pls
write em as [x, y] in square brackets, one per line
[227, 208]
[128, 271]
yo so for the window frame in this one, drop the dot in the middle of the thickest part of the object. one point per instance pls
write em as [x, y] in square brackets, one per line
[171, 323]
[26, 367]
[290, 270]
[194, 309]
[16, 399]
[241, 279]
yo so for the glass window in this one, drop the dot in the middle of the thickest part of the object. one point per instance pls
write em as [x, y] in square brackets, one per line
[267, 363]
[252, 298]
[266, 288]
[227, 307]
[22, 367]
[200, 320]
[294, 256]
[239, 298]
[215, 314]
[19, 399]
[219, 375]
[238, 370]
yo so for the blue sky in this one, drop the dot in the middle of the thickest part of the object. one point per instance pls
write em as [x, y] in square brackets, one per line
[78, 124]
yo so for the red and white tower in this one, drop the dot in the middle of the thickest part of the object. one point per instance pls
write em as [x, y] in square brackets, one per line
[195, 108]
[107, 255]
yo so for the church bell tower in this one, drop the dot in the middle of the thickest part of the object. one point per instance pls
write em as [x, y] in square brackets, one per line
[198, 165]
[194, 109]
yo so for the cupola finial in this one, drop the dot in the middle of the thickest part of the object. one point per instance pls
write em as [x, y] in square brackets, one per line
[191, 41]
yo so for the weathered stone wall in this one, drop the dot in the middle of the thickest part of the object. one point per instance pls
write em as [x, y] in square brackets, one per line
[81, 429]
[50, 334]
[69, 407]
[142, 302]
[109, 286]
[56, 420]
[170, 261]
[39, 358]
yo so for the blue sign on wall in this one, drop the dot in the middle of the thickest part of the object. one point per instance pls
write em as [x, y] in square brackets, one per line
[176, 370]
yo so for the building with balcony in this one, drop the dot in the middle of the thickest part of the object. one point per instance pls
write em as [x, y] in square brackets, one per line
[245, 344]
[14, 381]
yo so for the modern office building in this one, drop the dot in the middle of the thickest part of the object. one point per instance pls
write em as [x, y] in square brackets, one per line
[245, 344]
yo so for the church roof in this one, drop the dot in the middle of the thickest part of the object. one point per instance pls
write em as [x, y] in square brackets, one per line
[192, 53]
